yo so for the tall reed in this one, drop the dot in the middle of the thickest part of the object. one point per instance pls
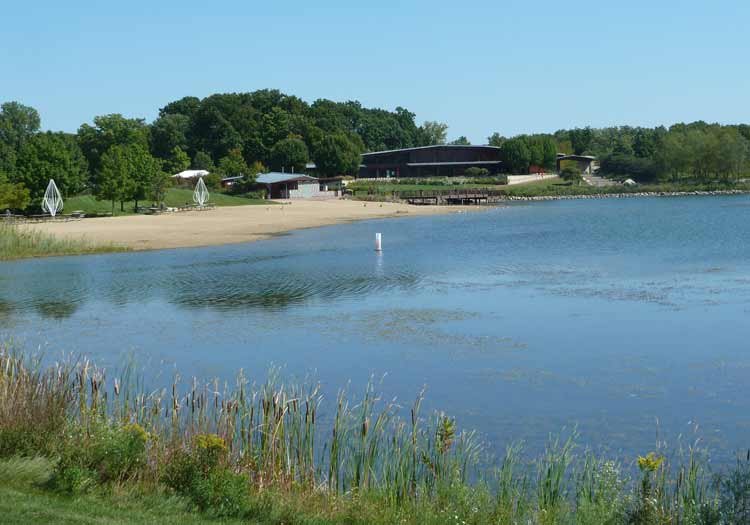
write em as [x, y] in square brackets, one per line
[278, 437]
[18, 242]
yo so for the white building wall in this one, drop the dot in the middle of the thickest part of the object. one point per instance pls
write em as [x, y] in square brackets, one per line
[305, 190]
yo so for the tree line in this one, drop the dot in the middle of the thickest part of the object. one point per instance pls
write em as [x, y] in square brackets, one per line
[121, 159]
[696, 152]
[686, 153]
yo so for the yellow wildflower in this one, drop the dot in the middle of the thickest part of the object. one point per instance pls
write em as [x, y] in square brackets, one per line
[210, 442]
[650, 463]
[137, 431]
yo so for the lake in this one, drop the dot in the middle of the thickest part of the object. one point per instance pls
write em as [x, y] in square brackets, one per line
[624, 318]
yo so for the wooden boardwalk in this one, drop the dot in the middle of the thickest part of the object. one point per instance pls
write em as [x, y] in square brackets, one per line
[452, 197]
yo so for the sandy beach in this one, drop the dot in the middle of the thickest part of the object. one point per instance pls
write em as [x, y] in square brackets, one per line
[228, 225]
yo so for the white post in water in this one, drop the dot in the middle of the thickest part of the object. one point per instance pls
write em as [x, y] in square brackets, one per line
[200, 195]
[378, 242]
[52, 202]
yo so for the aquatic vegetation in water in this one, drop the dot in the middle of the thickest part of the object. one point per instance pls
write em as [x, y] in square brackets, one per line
[17, 243]
[223, 446]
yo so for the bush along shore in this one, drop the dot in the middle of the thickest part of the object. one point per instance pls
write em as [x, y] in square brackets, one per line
[276, 453]
[17, 243]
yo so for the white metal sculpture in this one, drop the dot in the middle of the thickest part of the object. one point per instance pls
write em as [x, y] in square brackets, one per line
[200, 195]
[52, 202]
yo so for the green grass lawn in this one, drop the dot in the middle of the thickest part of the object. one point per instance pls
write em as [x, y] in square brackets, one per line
[24, 505]
[24, 500]
[175, 197]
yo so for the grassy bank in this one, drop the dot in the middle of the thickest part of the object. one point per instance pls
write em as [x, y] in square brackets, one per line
[175, 197]
[543, 188]
[18, 243]
[558, 187]
[89, 445]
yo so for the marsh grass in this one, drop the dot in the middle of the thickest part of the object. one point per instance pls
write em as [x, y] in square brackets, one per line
[281, 450]
[19, 243]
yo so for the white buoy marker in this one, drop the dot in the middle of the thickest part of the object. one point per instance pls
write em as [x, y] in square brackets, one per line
[378, 242]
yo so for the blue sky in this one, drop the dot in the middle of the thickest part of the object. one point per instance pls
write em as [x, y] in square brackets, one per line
[481, 66]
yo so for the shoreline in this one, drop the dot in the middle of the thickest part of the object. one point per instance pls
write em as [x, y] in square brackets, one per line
[243, 224]
[627, 195]
[229, 224]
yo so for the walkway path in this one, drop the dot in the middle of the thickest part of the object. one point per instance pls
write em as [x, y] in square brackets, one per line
[598, 182]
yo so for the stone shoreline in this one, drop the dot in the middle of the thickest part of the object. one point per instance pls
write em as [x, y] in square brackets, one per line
[628, 195]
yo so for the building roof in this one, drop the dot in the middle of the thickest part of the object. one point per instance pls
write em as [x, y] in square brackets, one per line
[457, 163]
[189, 174]
[275, 177]
[565, 156]
[454, 146]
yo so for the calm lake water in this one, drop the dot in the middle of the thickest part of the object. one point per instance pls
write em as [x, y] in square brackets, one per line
[627, 318]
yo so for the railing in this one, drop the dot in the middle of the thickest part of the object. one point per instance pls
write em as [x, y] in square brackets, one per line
[446, 196]
[13, 218]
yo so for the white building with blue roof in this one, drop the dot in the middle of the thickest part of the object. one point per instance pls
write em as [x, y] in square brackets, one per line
[290, 185]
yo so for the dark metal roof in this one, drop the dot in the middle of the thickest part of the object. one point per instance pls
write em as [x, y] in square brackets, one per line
[564, 156]
[455, 146]
[466, 163]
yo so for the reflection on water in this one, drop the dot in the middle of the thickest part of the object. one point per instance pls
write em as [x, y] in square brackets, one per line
[521, 320]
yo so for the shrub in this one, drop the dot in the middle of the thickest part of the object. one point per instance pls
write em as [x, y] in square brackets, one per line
[108, 453]
[210, 449]
[601, 497]
[260, 194]
[222, 492]
[120, 451]
[201, 475]
[213, 181]
[490, 181]
[475, 172]
[571, 174]
[23, 441]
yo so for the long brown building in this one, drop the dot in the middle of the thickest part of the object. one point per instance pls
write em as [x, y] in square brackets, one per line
[430, 161]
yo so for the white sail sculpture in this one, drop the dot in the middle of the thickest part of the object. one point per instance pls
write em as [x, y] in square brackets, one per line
[52, 202]
[200, 195]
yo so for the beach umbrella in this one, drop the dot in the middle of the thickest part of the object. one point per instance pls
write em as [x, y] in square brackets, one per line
[200, 195]
[52, 202]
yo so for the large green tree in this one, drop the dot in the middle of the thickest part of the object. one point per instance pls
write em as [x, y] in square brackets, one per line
[581, 139]
[234, 165]
[289, 154]
[337, 154]
[127, 173]
[516, 155]
[176, 161]
[55, 156]
[167, 133]
[203, 161]
[496, 139]
[144, 171]
[13, 196]
[18, 123]
[108, 131]
[432, 132]
[114, 178]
